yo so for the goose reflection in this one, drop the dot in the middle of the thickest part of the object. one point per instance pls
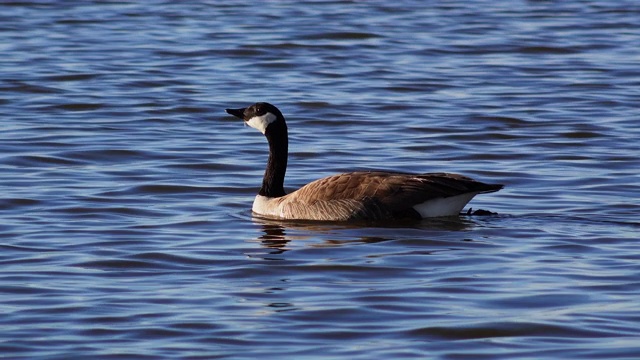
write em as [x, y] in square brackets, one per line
[278, 236]
[274, 238]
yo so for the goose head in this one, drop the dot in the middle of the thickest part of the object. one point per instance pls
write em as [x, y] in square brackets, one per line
[261, 116]
[270, 122]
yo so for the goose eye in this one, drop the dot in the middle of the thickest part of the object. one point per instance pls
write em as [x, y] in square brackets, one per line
[259, 110]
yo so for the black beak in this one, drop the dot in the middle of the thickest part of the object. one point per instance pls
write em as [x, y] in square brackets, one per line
[239, 113]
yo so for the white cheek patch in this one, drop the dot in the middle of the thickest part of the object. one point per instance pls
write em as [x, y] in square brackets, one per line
[261, 122]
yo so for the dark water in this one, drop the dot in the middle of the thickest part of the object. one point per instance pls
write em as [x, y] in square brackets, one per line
[125, 189]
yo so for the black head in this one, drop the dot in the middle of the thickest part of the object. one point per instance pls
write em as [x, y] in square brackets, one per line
[259, 115]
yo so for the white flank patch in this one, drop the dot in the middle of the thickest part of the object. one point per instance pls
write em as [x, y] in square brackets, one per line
[450, 206]
[266, 206]
[261, 122]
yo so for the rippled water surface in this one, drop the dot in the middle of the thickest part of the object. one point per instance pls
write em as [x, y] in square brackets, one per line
[126, 229]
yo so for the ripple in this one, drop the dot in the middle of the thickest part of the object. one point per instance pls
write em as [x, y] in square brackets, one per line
[540, 301]
[23, 87]
[12, 203]
[41, 160]
[156, 189]
[106, 155]
[548, 50]
[72, 77]
[504, 329]
[77, 107]
[340, 36]
[118, 264]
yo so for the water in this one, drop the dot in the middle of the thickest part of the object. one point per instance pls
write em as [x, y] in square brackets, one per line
[125, 223]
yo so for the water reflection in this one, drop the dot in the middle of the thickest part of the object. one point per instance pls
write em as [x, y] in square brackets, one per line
[274, 238]
[279, 237]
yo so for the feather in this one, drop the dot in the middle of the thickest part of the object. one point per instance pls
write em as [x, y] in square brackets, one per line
[377, 195]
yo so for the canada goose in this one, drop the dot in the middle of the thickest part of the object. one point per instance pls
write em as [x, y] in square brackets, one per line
[364, 195]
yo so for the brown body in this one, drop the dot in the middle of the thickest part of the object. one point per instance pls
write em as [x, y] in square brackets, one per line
[374, 196]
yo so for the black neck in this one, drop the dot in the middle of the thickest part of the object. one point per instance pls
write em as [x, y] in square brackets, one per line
[273, 181]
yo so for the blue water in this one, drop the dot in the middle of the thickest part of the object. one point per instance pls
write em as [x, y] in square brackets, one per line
[125, 222]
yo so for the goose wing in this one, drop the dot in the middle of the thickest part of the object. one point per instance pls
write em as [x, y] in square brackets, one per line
[374, 195]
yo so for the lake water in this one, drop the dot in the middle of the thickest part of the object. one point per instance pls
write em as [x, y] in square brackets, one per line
[125, 222]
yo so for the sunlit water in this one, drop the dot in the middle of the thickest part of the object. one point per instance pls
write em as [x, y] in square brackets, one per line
[125, 224]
